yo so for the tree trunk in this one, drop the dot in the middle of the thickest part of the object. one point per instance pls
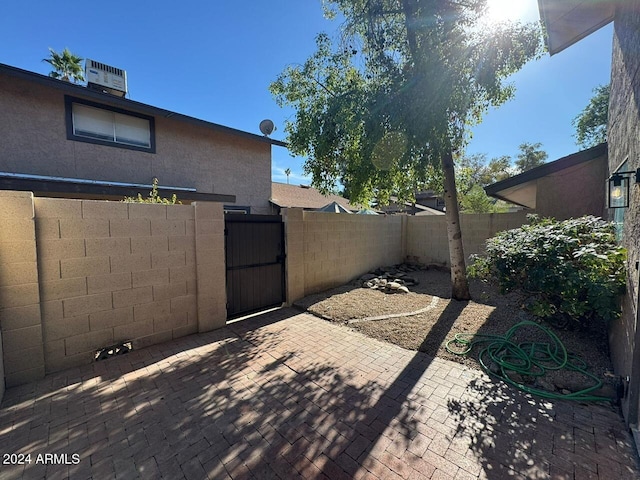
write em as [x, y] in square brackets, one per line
[459, 283]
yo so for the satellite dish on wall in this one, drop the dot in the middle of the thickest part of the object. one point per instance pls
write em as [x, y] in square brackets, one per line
[267, 127]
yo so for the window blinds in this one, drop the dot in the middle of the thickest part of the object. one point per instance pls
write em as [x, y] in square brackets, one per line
[106, 125]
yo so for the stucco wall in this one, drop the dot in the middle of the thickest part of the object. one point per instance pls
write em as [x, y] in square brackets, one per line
[80, 275]
[573, 192]
[35, 141]
[624, 144]
[325, 250]
[427, 235]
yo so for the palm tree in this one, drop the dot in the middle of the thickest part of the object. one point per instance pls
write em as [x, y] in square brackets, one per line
[66, 66]
[287, 172]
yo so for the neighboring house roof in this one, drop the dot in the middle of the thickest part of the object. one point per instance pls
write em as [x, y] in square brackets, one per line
[285, 196]
[521, 189]
[427, 195]
[568, 21]
[427, 210]
[73, 89]
[403, 207]
[334, 207]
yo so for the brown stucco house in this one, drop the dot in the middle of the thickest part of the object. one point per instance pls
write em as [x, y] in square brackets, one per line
[566, 22]
[569, 187]
[69, 140]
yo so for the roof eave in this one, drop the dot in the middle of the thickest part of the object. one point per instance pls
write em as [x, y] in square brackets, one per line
[74, 89]
[72, 189]
[505, 199]
[548, 168]
[567, 28]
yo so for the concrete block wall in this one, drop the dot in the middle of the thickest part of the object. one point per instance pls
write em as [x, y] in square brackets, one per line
[427, 235]
[427, 240]
[80, 275]
[112, 272]
[325, 250]
[295, 248]
[211, 272]
[20, 319]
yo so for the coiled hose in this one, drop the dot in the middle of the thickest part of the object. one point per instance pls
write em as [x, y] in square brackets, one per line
[503, 358]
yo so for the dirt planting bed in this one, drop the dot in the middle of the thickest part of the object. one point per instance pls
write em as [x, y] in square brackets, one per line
[440, 318]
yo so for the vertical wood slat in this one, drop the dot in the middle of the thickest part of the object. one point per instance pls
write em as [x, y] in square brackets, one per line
[255, 262]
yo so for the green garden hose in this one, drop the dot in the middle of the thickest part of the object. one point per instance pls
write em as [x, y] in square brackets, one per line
[503, 358]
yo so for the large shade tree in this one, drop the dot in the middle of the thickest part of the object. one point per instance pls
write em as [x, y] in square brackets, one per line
[531, 156]
[395, 96]
[591, 123]
[473, 172]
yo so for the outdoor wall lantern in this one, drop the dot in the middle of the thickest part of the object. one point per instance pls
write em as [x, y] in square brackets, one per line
[619, 188]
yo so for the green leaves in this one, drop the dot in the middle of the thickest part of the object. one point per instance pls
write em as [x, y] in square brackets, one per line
[154, 197]
[66, 66]
[531, 155]
[377, 109]
[477, 201]
[591, 123]
[572, 269]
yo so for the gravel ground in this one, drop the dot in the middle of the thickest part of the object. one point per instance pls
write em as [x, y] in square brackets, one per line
[488, 313]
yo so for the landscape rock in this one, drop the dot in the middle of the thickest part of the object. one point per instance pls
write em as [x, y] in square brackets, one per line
[392, 279]
[393, 285]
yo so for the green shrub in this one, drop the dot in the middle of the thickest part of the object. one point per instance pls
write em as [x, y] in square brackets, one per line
[153, 197]
[570, 271]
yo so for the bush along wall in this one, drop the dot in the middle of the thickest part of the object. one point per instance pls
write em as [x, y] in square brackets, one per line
[571, 272]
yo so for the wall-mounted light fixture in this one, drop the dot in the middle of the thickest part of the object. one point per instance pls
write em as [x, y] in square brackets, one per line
[619, 188]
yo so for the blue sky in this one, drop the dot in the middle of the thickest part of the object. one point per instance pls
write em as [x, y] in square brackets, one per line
[215, 60]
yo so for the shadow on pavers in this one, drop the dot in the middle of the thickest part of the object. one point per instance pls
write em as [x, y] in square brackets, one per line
[514, 433]
[230, 403]
[239, 402]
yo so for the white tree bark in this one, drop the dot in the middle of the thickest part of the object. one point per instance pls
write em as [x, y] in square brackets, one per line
[459, 283]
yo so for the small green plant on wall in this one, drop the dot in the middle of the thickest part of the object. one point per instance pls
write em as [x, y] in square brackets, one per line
[571, 272]
[154, 197]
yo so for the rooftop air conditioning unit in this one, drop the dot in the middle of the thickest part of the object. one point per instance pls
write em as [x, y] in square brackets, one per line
[106, 79]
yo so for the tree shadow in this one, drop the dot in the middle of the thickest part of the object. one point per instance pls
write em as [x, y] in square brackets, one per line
[516, 435]
[241, 402]
[403, 402]
[441, 329]
[279, 395]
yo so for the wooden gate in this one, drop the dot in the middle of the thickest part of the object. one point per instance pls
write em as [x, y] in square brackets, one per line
[254, 251]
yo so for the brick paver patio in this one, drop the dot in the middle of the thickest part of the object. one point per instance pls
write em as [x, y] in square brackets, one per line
[287, 395]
